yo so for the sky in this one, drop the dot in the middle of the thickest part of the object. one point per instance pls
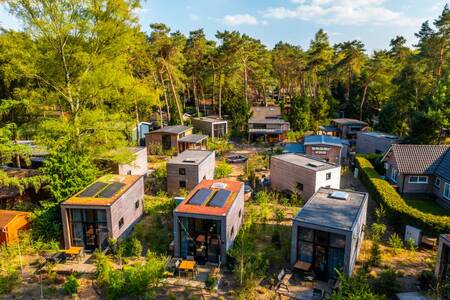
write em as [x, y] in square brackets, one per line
[374, 22]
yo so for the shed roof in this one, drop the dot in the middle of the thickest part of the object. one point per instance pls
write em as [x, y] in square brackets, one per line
[329, 128]
[204, 209]
[175, 129]
[97, 199]
[193, 138]
[293, 148]
[325, 139]
[305, 161]
[191, 157]
[417, 159]
[323, 210]
[211, 119]
[378, 134]
[8, 216]
[347, 122]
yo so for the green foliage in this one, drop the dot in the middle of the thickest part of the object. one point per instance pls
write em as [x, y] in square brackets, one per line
[9, 280]
[395, 242]
[355, 287]
[222, 170]
[377, 230]
[375, 255]
[300, 113]
[71, 285]
[68, 173]
[411, 244]
[210, 282]
[396, 207]
[220, 146]
[137, 280]
[387, 283]
[294, 136]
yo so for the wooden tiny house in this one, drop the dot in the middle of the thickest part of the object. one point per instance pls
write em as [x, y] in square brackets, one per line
[11, 222]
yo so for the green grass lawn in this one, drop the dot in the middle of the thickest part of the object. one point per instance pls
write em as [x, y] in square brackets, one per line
[427, 205]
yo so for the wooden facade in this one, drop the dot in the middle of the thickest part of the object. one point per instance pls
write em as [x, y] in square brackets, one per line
[11, 222]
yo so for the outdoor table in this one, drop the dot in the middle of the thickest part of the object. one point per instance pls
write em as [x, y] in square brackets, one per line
[302, 265]
[188, 265]
[74, 252]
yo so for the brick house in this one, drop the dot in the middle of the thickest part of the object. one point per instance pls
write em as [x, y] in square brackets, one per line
[302, 174]
[108, 208]
[329, 148]
[189, 168]
[208, 220]
[420, 170]
[266, 122]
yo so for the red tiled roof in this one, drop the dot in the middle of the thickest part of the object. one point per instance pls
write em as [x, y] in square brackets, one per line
[185, 207]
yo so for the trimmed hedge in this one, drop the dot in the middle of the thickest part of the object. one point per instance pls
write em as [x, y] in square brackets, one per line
[400, 212]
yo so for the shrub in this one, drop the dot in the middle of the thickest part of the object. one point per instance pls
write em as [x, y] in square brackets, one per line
[386, 283]
[9, 280]
[136, 247]
[411, 244]
[395, 206]
[223, 169]
[375, 255]
[354, 287]
[395, 242]
[210, 282]
[426, 280]
[377, 231]
[71, 285]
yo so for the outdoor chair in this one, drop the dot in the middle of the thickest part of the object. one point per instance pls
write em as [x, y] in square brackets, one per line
[318, 294]
[283, 280]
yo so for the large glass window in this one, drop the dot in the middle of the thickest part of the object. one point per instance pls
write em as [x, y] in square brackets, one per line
[446, 191]
[88, 227]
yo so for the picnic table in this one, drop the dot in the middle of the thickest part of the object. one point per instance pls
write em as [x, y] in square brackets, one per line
[74, 252]
[188, 265]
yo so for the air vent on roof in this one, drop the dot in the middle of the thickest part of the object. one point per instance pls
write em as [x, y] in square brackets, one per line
[189, 160]
[339, 195]
[219, 185]
[314, 164]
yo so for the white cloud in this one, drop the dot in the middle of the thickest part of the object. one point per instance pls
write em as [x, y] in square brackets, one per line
[193, 17]
[343, 12]
[239, 19]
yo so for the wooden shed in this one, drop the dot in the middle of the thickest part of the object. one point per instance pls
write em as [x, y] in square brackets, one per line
[11, 222]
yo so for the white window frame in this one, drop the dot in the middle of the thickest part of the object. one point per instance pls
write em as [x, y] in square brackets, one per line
[394, 175]
[446, 192]
[437, 182]
[418, 181]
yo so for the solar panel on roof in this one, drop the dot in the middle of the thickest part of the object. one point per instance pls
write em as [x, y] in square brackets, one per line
[200, 197]
[93, 189]
[111, 190]
[220, 198]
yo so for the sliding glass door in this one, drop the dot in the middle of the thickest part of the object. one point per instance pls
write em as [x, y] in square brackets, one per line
[89, 228]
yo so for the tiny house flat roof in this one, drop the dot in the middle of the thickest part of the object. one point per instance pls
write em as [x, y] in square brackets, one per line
[211, 120]
[104, 191]
[328, 209]
[175, 129]
[211, 197]
[191, 157]
[193, 138]
[305, 161]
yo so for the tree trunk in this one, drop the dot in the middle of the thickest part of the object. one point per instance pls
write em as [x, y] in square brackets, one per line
[174, 92]
[245, 83]
[194, 89]
[213, 90]
[362, 101]
[136, 108]
[203, 97]
[220, 95]
[165, 97]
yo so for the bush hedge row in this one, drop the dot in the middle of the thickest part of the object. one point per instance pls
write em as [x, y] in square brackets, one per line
[399, 211]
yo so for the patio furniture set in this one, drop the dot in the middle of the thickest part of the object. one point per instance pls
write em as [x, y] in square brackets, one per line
[178, 266]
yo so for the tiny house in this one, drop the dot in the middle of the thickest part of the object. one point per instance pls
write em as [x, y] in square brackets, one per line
[302, 174]
[266, 122]
[167, 137]
[214, 127]
[328, 231]
[329, 148]
[11, 222]
[189, 168]
[208, 220]
[108, 208]
[374, 142]
[442, 270]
